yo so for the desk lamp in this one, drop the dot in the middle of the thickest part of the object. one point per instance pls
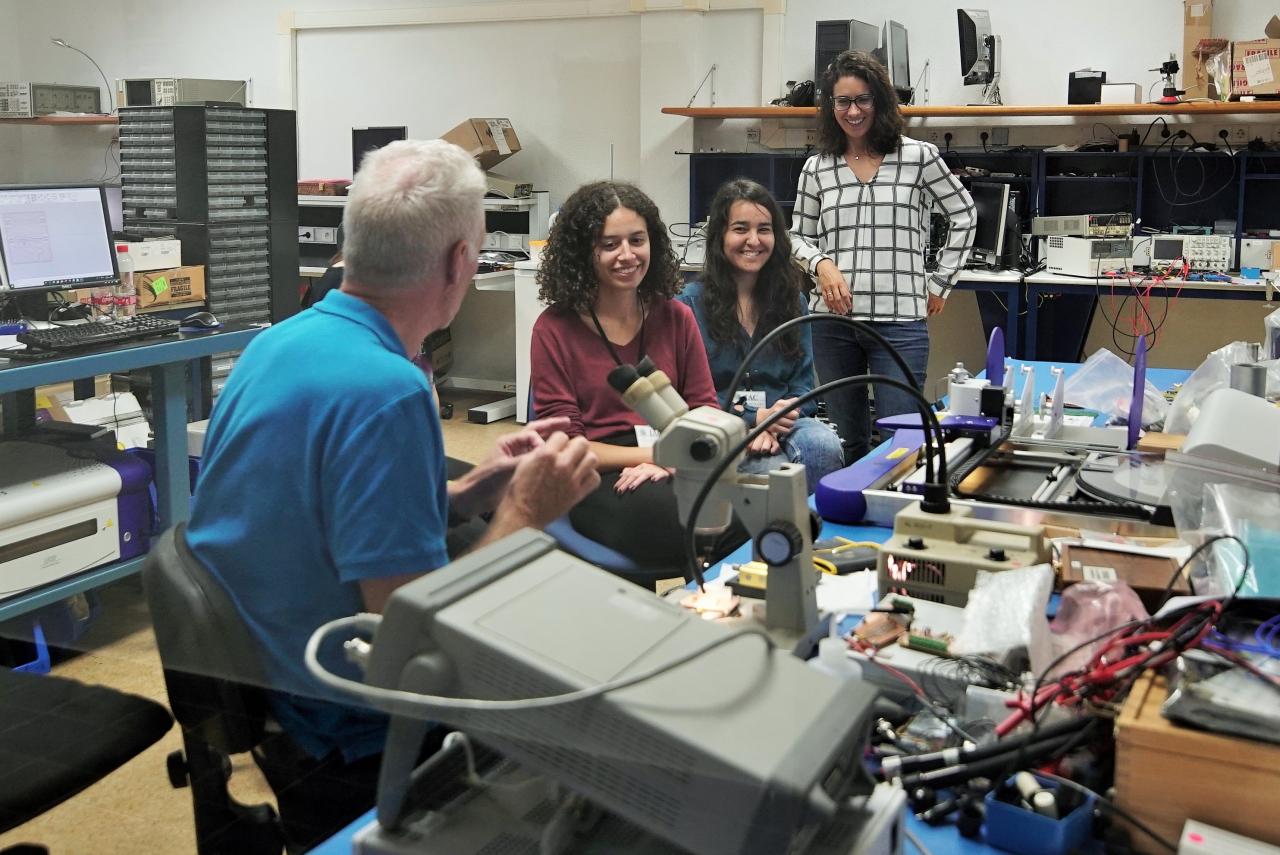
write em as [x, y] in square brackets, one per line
[63, 43]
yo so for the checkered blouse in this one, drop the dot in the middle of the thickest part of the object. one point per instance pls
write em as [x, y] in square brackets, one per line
[876, 232]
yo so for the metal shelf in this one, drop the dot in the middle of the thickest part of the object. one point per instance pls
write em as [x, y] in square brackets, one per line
[960, 111]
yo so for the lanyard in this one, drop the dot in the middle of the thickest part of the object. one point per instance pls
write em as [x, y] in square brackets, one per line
[613, 352]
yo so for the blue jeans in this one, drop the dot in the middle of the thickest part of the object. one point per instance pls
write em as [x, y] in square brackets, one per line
[811, 443]
[841, 351]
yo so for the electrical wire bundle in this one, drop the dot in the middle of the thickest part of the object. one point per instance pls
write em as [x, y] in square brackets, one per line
[1124, 654]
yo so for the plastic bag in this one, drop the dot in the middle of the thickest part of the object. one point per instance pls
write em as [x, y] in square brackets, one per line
[1005, 613]
[1087, 610]
[1207, 502]
[1213, 374]
[1105, 383]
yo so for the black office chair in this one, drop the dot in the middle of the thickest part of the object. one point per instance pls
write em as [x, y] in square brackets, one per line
[214, 677]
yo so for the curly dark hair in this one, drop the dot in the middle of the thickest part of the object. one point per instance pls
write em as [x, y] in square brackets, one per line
[887, 123]
[567, 276]
[777, 293]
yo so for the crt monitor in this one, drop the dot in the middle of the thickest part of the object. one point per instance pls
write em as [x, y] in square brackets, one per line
[365, 140]
[54, 238]
[975, 53]
[992, 202]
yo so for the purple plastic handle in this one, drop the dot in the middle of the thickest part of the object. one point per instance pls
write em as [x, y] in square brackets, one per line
[1139, 391]
[995, 357]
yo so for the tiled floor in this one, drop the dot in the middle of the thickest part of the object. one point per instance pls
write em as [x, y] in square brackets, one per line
[134, 810]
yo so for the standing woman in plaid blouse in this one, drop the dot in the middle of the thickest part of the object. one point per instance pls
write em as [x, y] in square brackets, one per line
[860, 226]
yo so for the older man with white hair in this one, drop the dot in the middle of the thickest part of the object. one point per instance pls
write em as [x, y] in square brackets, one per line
[324, 486]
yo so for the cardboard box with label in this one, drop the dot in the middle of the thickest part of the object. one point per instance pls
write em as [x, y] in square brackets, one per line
[489, 141]
[179, 285]
[1255, 65]
[1197, 24]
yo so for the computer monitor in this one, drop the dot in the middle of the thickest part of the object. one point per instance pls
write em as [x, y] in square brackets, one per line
[54, 238]
[976, 53]
[365, 140]
[992, 202]
[832, 38]
[896, 59]
[115, 207]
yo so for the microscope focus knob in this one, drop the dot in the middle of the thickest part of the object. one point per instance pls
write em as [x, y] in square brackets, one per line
[779, 543]
[703, 448]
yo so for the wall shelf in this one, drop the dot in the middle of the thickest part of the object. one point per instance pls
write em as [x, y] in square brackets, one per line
[63, 120]
[960, 111]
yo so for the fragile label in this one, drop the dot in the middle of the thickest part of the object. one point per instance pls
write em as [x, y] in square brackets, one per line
[1257, 69]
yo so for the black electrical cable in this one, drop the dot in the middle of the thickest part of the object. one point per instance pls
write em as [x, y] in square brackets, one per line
[859, 326]
[931, 495]
[898, 766]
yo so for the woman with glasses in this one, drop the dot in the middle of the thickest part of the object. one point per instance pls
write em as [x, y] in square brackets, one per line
[860, 226]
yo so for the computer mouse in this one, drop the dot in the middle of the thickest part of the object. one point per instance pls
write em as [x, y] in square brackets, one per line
[201, 321]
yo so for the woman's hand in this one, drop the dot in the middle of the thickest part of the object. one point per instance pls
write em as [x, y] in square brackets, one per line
[833, 288]
[936, 305]
[782, 426]
[765, 445]
[633, 476]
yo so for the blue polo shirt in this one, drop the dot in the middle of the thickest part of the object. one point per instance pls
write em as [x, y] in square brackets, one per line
[323, 465]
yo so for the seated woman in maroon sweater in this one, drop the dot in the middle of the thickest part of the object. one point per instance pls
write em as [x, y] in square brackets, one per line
[608, 275]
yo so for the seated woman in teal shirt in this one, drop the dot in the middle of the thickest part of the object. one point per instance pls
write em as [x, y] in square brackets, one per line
[750, 286]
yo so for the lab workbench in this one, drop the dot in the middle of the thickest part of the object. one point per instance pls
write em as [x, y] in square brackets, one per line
[173, 389]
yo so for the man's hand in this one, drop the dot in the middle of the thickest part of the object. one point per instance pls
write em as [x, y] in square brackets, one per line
[633, 476]
[533, 435]
[547, 482]
[833, 288]
[782, 426]
[936, 305]
[765, 445]
[480, 490]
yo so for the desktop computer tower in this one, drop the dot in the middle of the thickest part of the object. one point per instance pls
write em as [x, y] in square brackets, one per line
[224, 181]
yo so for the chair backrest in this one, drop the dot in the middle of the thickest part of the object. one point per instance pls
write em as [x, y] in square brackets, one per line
[212, 668]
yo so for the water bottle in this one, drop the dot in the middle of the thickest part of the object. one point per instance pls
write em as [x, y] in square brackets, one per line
[125, 296]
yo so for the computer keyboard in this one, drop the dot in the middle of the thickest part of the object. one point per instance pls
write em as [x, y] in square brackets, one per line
[96, 334]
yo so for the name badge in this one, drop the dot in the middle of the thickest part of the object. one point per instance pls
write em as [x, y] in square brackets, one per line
[646, 436]
[749, 399]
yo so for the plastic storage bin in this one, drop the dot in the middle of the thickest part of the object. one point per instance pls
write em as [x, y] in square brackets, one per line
[1013, 828]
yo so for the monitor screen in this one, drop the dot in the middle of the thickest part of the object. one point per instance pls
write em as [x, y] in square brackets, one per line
[897, 60]
[115, 208]
[863, 36]
[1166, 249]
[975, 28]
[365, 140]
[992, 202]
[55, 238]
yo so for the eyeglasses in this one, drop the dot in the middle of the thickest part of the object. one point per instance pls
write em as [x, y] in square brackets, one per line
[843, 102]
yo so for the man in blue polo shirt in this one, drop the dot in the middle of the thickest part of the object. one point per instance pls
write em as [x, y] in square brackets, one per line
[324, 487]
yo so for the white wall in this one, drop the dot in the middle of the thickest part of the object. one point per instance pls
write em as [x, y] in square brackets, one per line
[571, 86]
[571, 89]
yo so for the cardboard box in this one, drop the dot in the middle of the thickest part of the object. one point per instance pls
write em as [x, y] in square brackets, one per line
[164, 287]
[1197, 24]
[490, 141]
[1255, 65]
[1167, 774]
